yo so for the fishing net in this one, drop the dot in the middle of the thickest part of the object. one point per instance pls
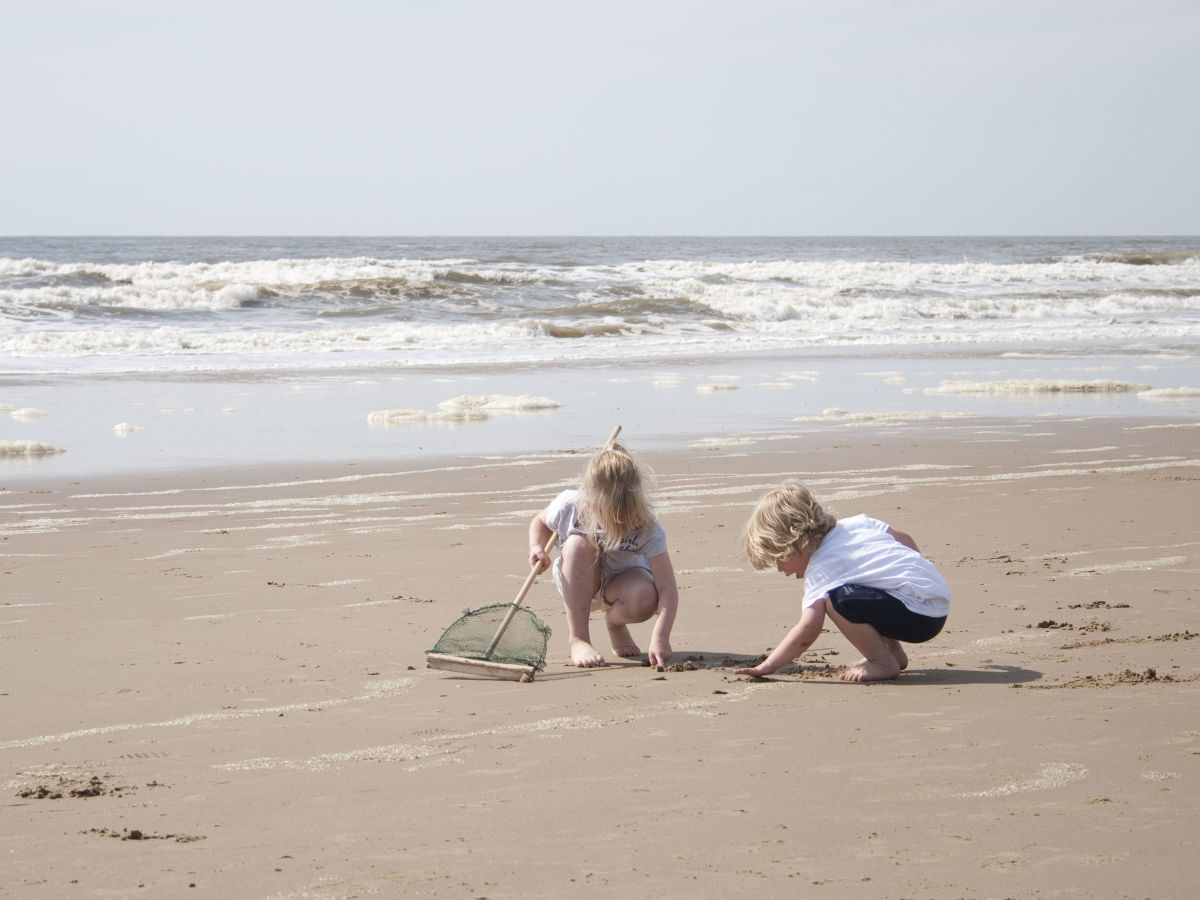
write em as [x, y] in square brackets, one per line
[523, 642]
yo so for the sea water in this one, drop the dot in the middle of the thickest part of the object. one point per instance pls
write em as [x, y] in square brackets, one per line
[149, 353]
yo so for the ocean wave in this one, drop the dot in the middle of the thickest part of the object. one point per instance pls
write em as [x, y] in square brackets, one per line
[223, 286]
[164, 341]
[768, 290]
[319, 344]
[895, 291]
[1147, 258]
[368, 310]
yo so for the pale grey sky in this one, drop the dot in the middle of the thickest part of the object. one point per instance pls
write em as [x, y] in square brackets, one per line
[416, 117]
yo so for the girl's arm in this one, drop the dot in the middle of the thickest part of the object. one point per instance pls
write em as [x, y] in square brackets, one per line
[668, 602]
[539, 533]
[799, 639]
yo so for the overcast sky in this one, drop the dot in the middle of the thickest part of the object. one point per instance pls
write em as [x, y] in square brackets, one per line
[714, 117]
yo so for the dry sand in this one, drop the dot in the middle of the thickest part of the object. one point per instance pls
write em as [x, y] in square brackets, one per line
[213, 684]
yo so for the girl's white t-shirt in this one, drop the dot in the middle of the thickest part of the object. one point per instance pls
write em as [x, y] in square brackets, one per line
[859, 550]
[635, 549]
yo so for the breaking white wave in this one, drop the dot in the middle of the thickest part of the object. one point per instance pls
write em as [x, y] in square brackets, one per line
[584, 299]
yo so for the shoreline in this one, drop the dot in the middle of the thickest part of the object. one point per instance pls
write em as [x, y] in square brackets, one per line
[140, 424]
[825, 432]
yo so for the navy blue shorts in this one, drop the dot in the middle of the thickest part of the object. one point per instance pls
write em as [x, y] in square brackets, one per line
[864, 605]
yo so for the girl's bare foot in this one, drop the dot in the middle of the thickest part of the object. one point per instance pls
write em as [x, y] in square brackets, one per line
[622, 641]
[584, 655]
[866, 670]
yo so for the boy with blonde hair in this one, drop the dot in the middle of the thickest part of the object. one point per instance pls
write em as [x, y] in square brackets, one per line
[868, 577]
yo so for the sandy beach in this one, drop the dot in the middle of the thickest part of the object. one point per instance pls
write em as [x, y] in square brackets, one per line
[214, 682]
[306, 309]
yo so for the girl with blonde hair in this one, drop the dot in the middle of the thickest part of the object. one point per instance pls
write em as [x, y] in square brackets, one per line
[612, 557]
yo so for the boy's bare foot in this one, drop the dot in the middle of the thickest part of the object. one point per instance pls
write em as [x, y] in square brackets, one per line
[584, 655]
[898, 652]
[865, 670]
[622, 641]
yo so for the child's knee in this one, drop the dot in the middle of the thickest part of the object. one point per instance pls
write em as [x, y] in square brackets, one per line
[631, 599]
[628, 612]
[578, 551]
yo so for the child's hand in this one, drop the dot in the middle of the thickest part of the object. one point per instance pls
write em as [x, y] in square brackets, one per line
[757, 672]
[660, 652]
[538, 558]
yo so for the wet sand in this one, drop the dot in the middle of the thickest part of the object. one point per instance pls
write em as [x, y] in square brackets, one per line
[214, 682]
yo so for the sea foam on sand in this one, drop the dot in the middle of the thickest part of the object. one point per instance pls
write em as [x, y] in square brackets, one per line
[30, 449]
[1038, 386]
[1179, 393]
[464, 408]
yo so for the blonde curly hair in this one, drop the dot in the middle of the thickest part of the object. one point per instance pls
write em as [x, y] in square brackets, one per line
[788, 520]
[616, 502]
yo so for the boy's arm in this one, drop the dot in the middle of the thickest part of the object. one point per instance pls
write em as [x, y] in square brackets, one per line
[799, 639]
[539, 533]
[904, 538]
[668, 602]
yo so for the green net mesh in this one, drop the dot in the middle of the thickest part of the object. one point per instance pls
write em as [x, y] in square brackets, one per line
[523, 641]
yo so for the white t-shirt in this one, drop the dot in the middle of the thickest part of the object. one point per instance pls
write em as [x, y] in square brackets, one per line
[859, 550]
[635, 549]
